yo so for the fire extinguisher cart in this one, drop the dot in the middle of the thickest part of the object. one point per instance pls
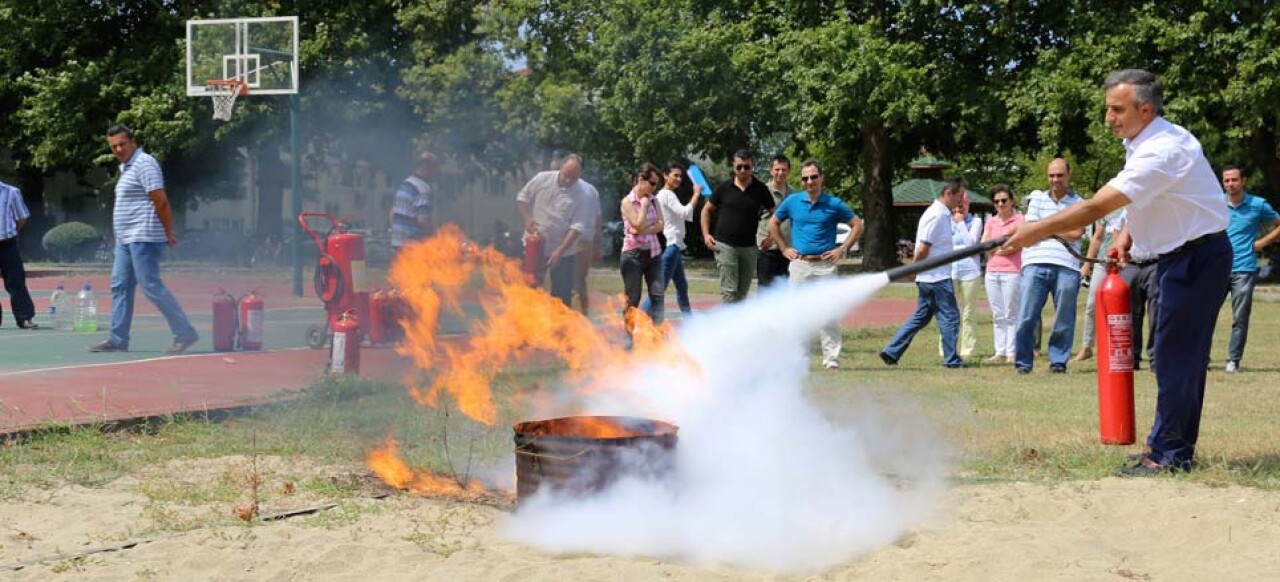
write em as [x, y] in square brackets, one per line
[340, 279]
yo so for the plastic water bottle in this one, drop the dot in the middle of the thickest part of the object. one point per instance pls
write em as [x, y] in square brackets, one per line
[59, 309]
[86, 316]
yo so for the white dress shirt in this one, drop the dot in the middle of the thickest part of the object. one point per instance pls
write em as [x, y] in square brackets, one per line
[1176, 196]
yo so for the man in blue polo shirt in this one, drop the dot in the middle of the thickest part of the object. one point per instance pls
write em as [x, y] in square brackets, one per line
[143, 225]
[813, 250]
[1248, 214]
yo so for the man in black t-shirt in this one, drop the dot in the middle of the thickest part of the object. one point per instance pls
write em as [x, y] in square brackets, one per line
[738, 205]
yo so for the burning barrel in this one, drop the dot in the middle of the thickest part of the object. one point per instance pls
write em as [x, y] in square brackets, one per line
[580, 455]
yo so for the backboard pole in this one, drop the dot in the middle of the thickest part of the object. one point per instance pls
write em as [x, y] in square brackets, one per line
[295, 184]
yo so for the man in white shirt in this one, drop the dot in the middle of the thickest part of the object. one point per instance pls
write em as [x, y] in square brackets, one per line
[935, 293]
[1177, 212]
[1049, 268]
[551, 206]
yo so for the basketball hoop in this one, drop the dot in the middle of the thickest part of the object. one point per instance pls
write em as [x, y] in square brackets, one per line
[224, 93]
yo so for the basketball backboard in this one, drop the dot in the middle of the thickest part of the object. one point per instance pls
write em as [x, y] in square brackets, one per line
[261, 52]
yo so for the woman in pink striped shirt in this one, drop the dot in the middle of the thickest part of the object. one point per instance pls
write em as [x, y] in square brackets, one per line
[1004, 273]
[641, 252]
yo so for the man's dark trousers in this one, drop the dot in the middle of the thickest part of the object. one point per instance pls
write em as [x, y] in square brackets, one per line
[771, 266]
[1193, 285]
[15, 280]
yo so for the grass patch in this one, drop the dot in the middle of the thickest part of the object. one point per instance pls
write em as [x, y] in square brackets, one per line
[1044, 427]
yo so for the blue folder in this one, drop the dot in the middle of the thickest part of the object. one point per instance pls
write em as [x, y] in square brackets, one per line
[698, 178]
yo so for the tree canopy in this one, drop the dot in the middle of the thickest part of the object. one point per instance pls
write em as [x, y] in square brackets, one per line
[861, 86]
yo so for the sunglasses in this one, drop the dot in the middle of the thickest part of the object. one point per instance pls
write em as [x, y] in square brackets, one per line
[806, 179]
[741, 167]
[1001, 200]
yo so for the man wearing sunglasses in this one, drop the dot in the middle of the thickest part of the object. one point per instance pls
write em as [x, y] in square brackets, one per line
[813, 251]
[737, 205]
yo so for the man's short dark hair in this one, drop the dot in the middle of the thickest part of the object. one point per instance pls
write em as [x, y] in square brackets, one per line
[782, 160]
[951, 186]
[1229, 167]
[811, 163]
[118, 129]
[744, 154]
[1147, 87]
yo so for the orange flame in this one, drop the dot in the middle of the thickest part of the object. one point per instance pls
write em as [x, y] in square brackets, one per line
[520, 323]
[385, 462]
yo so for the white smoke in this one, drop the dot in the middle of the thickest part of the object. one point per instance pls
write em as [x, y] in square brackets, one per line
[763, 480]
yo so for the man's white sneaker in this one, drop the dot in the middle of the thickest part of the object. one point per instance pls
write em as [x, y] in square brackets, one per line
[1232, 367]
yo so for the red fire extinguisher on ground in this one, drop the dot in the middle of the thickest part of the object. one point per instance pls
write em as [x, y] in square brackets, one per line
[378, 318]
[344, 354]
[533, 259]
[1114, 322]
[252, 318]
[224, 321]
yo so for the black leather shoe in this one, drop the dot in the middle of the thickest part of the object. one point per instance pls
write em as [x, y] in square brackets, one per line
[27, 324]
[1058, 369]
[887, 359]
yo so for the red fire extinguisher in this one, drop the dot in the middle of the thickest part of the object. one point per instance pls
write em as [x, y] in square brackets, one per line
[344, 357]
[1114, 322]
[378, 317]
[252, 319]
[532, 259]
[224, 321]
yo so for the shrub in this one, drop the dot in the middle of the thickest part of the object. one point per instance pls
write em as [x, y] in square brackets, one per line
[73, 241]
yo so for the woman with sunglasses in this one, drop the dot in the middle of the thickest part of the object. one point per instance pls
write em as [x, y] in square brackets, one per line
[641, 252]
[1004, 274]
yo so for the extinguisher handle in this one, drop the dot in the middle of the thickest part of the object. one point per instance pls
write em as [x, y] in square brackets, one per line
[302, 220]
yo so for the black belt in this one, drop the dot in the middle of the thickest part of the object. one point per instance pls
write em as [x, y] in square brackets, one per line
[810, 258]
[1143, 263]
[1195, 242]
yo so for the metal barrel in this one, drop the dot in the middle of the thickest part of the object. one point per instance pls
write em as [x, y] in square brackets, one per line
[563, 455]
[899, 273]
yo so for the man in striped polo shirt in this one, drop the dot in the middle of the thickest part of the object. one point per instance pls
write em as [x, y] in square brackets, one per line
[143, 226]
[13, 215]
[1049, 269]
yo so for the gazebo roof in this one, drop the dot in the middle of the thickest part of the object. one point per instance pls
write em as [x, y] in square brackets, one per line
[923, 191]
[930, 162]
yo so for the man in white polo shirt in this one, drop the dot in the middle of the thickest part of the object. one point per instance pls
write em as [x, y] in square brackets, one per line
[1177, 212]
[935, 293]
[1049, 268]
[143, 226]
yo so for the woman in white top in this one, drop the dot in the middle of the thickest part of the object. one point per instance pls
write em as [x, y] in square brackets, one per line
[674, 215]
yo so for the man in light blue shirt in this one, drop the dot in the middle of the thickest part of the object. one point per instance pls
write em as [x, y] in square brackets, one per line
[1249, 214]
[13, 215]
[813, 250]
[143, 225]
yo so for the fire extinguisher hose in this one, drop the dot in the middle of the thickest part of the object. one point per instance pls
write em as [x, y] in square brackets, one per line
[327, 268]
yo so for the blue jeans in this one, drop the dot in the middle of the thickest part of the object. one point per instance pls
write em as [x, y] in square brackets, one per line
[932, 298]
[138, 264]
[1242, 283]
[673, 272]
[1038, 281]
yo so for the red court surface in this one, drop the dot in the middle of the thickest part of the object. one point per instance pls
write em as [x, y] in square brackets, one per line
[48, 378]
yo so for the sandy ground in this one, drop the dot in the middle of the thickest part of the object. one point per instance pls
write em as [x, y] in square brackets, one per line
[1145, 529]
